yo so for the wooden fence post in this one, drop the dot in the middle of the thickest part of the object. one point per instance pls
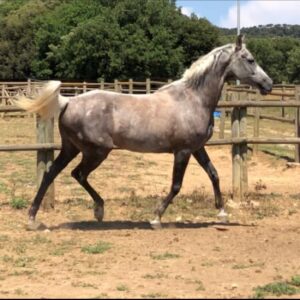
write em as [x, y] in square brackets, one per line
[28, 86]
[116, 85]
[239, 151]
[148, 86]
[297, 124]
[84, 87]
[223, 113]
[45, 134]
[3, 102]
[256, 124]
[282, 99]
[243, 147]
[102, 84]
[236, 157]
[130, 88]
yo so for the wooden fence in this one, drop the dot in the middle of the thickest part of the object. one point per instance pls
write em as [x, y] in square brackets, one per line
[234, 100]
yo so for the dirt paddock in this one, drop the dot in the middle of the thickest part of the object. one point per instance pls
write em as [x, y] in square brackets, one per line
[193, 256]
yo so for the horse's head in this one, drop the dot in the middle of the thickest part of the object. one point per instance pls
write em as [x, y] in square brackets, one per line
[244, 68]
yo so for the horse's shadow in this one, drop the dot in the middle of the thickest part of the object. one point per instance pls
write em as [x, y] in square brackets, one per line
[132, 225]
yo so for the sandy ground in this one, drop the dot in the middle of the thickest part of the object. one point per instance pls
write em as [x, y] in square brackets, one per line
[193, 256]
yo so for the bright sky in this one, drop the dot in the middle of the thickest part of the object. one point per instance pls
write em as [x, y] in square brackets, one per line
[253, 12]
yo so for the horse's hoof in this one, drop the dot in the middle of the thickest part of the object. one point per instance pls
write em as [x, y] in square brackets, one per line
[155, 224]
[36, 226]
[223, 217]
[99, 213]
[223, 220]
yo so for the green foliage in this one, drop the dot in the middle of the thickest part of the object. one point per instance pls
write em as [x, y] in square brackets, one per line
[274, 289]
[293, 65]
[18, 203]
[100, 247]
[9, 6]
[53, 28]
[295, 280]
[278, 288]
[16, 37]
[197, 38]
[164, 256]
[269, 30]
[122, 288]
[92, 39]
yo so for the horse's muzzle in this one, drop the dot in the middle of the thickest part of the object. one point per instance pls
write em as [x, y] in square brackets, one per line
[265, 91]
[266, 86]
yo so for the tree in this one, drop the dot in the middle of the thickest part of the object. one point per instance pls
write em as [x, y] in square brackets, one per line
[293, 65]
[150, 40]
[53, 26]
[17, 45]
[89, 51]
[74, 39]
[197, 37]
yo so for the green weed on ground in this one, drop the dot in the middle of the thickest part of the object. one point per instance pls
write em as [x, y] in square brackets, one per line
[280, 288]
[122, 288]
[164, 256]
[18, 203]
[295, 281]
[98, 248]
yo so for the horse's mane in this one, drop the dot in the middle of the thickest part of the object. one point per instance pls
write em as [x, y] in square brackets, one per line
[194, 75]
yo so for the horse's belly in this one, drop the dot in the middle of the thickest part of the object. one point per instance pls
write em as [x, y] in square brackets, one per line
[147, 144]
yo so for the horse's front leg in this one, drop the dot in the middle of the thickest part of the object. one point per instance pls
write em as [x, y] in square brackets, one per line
[181, 159]
[204, 161]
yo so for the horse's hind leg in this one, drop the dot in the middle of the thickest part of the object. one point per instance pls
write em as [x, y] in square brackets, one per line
[203, 159]
[66, 154]
[181, 160]
[90, 161]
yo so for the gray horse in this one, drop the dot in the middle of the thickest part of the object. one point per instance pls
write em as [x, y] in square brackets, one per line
[177, 118]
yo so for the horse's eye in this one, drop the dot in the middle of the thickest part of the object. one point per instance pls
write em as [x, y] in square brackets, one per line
[251, 61]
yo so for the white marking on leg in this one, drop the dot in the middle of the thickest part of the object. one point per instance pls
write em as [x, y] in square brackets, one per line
[156, 224]
[222, 213]
[223, 216]
[34, 225]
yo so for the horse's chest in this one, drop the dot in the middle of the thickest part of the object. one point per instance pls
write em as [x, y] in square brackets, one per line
[201, 136]
[198, 134]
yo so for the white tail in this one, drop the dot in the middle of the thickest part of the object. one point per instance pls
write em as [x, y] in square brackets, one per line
[47, 103]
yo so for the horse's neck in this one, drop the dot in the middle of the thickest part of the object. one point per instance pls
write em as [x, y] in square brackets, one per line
[210, 83]
[211, 89]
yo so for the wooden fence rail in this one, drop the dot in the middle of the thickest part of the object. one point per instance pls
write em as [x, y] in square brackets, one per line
[236, 101]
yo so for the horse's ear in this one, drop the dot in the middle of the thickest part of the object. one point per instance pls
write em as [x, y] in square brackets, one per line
[239, 42]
